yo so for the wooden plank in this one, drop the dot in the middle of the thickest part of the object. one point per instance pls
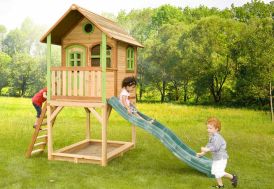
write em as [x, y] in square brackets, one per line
[76, 160]
[81, 68]
[96, 114]
[72, 146]
[69, 83]
[81, 83]
[87, 83]
[104, 136]
[77, 98]
[50, 143]
[87, 123]
[75, 104]
[99, 81]
[36, 151]
[64, 83]
[93, 83]
[75, 81]
[119, 151]
[77, 156]
[56, 111]
[53, 84]
[59, 87]
[40, 144]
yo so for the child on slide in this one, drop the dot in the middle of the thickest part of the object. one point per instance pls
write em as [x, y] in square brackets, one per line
[128, 85]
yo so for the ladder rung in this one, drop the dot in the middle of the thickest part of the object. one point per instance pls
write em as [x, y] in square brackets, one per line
[36, 151]
[40, 143]
[45, 129]
[42, 136]
[43, 123]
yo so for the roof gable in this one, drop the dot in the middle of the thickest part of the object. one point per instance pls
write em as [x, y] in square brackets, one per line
[75, 14]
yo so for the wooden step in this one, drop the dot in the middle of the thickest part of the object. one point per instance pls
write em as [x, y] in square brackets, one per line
[45, 129]
[42, 136]
[36, 151]
[40, 144]
[45, 123]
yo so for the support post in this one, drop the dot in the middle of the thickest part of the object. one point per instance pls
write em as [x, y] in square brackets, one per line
[103, 61]
[104, 135]
[87, 124]
[49, 125]
[48, 67]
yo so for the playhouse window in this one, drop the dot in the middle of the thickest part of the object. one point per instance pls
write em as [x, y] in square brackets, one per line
[75, 59]
[88, 28]
[95, 56]
[130, 58]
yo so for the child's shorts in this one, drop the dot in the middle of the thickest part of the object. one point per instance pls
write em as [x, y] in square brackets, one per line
[132, 108]
[218, 168]
[38, 110]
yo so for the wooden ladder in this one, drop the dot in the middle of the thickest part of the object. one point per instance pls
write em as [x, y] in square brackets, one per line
[40, 136]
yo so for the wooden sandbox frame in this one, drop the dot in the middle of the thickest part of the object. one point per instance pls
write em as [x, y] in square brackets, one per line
[89, 150]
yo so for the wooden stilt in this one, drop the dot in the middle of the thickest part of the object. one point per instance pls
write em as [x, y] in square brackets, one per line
[104, 136]
[87, 123]
[133, 134]
[49, 123]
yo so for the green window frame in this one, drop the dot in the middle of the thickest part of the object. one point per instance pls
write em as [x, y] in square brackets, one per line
[75, 55]
[95, 56]
[88, 28]
[130, 58]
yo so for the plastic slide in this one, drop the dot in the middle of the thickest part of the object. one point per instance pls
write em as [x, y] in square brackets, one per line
[166, 136]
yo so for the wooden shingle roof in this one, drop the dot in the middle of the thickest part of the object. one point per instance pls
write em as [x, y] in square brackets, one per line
[72, 17]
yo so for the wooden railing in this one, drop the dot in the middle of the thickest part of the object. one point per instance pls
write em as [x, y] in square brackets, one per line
[76, 82]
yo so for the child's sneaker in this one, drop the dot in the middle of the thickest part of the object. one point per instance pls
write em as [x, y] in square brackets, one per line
[151, 121]
[234, 181]
[218, 186]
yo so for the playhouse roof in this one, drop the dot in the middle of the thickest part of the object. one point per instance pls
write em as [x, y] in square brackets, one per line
[75, 14]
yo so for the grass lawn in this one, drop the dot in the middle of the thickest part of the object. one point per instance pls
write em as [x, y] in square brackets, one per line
[150, 165]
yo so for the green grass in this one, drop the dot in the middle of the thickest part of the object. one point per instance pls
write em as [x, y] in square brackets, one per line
[249, 135]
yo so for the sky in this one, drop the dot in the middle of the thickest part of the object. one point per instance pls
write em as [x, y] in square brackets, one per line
[47, 12]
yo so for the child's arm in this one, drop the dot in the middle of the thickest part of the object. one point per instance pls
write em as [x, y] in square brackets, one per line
[204, 150]
[125, 104]
[45, 94]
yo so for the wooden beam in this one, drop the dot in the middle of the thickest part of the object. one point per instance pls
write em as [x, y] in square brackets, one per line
[104, 136]
[93, 111]
[48, 66]
[75, 103]
[87, 123]
[56, 111]
[103, 62]
[49, 124]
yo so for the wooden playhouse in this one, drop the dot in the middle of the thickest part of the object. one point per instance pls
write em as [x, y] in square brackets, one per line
[96, 55]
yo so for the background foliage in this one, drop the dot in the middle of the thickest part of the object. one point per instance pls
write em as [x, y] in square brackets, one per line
[192, 55]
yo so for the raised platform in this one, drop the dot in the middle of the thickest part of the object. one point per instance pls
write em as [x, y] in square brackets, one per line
[90, 151]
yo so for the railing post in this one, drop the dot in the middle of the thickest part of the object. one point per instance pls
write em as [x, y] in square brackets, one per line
[48, 66]
[103, 61]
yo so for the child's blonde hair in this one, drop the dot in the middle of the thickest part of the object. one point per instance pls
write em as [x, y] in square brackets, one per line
[215, 122]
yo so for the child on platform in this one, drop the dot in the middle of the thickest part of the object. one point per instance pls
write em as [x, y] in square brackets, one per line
[217, 146]
[128, 85]
[37, 102]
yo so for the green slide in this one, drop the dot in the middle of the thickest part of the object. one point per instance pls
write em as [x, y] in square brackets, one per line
[167, 137]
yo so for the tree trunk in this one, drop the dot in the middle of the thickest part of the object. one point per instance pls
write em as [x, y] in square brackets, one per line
[185, 90]
[163, 92]
[141, 92]
[271, 104]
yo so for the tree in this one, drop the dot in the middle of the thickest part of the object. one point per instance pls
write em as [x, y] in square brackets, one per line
[21, 74]
[208, 46]
[3, 31]
[4, 70]
[255, 62]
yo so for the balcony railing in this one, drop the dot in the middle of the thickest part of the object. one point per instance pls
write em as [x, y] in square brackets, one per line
[76, 83]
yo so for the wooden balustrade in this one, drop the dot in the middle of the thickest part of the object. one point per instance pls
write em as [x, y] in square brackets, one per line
[76, 82]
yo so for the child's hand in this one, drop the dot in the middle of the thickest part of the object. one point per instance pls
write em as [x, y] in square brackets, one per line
[128, 110]
[199, 154]
[204, 149]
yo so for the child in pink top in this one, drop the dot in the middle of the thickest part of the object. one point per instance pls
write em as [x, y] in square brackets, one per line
[128, 85]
